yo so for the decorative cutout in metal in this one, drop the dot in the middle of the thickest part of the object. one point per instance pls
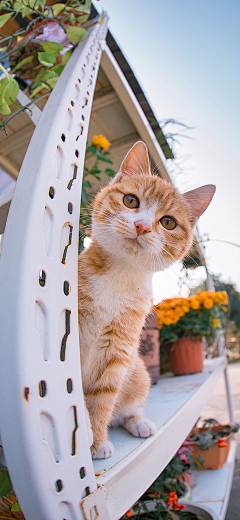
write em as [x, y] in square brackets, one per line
[42, 416]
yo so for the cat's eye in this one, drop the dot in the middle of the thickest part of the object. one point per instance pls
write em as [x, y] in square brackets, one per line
[168, 222]
[131, 201]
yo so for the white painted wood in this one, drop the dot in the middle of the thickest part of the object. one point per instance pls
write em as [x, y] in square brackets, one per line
[212, 488]
[5, 201]
[41, 406]
[33, 111]
[174, 404]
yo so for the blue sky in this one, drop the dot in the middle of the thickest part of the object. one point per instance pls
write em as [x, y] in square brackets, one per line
[186, 56]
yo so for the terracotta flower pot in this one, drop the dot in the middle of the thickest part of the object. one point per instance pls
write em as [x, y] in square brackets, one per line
[215, 457]
[149, 346]
[186, 356]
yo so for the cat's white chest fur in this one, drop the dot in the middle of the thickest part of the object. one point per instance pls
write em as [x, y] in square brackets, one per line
[113, 293]
[119, 287]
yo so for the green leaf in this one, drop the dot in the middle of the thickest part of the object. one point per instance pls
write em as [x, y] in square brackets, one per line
[42, 3]
[4, 18]
[26, 11]
[15, 507]
[57, 69]
[4, 109]
[102, 157]
[37, 89]
[18, 6]
[85, 196]
[83, 18]
[72, 18]
[88, 5]
[5, 483]
[110, 172]
[57, 8]
[91, 149]
[21, 63]
[46, 58]
[75, 33]
[86, 184]
[8, 92]
[52, 48]
[66, 56]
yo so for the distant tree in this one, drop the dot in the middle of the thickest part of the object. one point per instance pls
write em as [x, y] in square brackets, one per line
[233, 297]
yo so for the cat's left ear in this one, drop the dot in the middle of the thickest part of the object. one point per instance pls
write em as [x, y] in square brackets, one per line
[198, 200]
[135, 162]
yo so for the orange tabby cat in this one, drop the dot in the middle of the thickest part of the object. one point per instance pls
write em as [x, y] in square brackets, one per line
[141, 224]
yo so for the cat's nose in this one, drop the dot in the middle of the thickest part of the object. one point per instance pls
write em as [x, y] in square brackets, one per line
[142, 227]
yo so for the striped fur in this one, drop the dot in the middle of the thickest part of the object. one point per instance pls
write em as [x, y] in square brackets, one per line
[114, 291]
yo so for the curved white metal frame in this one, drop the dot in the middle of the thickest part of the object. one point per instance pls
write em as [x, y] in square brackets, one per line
[43, 432]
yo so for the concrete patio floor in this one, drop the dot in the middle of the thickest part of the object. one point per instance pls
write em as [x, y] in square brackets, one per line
[217, 408]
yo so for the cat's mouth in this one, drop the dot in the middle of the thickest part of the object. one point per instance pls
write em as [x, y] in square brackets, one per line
[134, 241]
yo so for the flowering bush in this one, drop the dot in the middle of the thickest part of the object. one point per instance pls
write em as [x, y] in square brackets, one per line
[38, 51]
[198, 315]
[167, 489]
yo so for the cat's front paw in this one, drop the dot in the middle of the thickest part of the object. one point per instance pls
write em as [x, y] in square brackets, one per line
[142, 428]
[104, 450]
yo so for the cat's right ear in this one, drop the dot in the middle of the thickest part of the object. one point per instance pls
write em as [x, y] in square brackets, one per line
[135, 162]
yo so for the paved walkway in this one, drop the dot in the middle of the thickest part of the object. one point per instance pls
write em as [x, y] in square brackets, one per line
[217, 409]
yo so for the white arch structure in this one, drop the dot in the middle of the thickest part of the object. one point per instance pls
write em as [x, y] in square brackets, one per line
[41, 414]
[42, 420]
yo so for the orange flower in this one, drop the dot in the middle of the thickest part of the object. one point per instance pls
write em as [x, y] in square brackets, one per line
[208, 303]
[99, 141]
[129, 513]
[195, 304]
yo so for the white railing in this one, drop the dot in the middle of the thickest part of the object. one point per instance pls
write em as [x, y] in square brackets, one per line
[42, 423]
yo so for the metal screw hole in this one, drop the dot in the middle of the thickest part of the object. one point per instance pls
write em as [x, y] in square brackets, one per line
[69, 391]
[42, 278]
[82, 472]
[58, 485]
[42, 388]
[66, 288]
[51, 192]
[70, 208]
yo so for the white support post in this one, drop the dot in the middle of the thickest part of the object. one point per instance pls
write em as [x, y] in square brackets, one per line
[42, 418]
[222, 352]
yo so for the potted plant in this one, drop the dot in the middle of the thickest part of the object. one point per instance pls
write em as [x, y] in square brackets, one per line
[211, 443]
[160, 501]
[184, 321]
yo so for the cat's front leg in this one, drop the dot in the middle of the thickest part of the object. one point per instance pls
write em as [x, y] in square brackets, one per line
[102, 394]
[101, 401]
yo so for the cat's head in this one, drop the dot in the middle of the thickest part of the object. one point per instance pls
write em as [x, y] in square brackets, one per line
[143, 219]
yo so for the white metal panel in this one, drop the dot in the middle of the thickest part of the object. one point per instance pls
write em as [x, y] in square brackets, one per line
[42, 421]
